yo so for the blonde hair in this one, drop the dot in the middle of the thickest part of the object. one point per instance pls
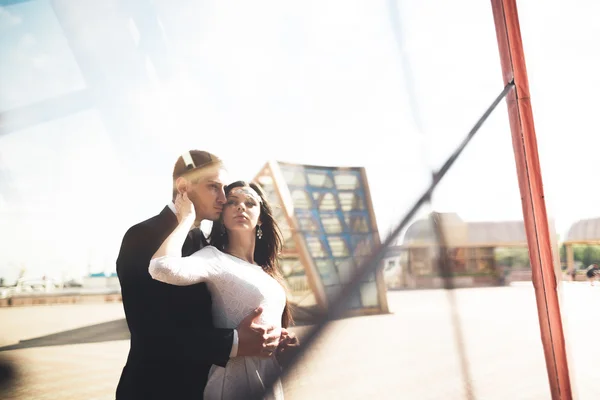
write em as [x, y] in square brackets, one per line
[192, 164]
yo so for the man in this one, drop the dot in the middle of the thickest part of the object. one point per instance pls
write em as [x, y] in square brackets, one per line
[173, 340]
[592, 272]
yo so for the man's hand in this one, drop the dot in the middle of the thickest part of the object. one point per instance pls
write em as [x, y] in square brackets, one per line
[288, 345]
[255, 339]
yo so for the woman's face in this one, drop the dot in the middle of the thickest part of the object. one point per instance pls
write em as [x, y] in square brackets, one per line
[242, 209]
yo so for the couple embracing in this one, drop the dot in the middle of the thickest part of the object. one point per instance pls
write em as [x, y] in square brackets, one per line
[207, 317]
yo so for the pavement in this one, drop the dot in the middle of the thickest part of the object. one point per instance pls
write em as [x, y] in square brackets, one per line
[481, 343]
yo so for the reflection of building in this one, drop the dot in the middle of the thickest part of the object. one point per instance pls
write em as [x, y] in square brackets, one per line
[480, 253]
[584, 232]
[327, 220]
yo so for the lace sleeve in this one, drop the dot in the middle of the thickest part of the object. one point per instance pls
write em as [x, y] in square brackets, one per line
[183, 271]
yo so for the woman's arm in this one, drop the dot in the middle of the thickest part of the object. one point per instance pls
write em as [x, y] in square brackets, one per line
[184, 271]
[186, 216]
[168, 266]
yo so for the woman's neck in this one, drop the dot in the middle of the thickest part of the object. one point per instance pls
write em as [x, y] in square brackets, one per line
[241, 245]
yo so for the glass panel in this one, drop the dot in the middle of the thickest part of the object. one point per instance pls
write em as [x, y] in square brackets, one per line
[332, 291]
[358, 262]
[36, 62]
[331, 223]
[357, 223]
[293, 176]
[265, 181]
[325, 201]
[346, 268]
[354, 302]
[301, 199]
[315, 247]
[297, 282]
[350, 201]
[370, 278]
[289, 244]
[278, 213]
[338, 246]
[346, 181]
[49, 165]
[288, 266]
[327, 272]
[368, 295]
[354, 87]
[319, 179]
[362, 245]
[282, 222]
[307, 223]
[273, 199]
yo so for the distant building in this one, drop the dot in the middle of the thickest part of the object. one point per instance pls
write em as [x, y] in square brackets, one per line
[101, 280]
[584, 232]
[480, 253]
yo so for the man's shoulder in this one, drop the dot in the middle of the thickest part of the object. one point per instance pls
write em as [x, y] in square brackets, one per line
[156, 224]
[142, 227]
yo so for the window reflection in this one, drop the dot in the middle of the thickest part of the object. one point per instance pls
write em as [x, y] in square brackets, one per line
[325, 201]
[301, 199]
[316, 247]
[338, 246]
[294, 176]
[331, 223]
[36, 62]
[346, 181]
[319, 179]
[62, 183]
[351, 201]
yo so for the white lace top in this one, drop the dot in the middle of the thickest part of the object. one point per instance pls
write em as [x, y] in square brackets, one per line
[237, 288]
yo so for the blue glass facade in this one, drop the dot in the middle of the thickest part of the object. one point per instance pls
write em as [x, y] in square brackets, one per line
[332, 212]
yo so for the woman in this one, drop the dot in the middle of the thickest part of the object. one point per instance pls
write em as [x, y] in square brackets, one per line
[241, 271]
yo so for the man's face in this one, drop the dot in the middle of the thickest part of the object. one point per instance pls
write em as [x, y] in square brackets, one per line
[208, 195]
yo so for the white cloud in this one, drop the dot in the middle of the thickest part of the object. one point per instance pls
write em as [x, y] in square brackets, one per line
[27, 40]
[8, 19]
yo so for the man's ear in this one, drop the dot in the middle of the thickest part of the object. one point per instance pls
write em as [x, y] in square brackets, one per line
[181, 185]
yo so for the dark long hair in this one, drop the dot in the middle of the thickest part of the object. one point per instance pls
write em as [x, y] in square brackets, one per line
[266, 250]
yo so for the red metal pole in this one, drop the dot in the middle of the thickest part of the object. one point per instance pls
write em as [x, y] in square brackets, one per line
[512, 58]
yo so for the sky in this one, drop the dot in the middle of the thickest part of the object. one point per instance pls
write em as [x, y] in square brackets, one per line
[392, 86]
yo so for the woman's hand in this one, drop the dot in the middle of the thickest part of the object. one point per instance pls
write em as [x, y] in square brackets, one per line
[184, 208]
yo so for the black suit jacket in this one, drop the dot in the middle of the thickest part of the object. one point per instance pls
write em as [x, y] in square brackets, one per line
[173, 340]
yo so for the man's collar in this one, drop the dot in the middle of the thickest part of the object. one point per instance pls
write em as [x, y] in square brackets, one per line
[171, 206]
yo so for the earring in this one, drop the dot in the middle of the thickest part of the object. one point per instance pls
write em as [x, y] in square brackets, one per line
[259, 232]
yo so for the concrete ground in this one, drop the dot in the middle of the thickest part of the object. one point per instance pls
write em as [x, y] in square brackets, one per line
[77, 351]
